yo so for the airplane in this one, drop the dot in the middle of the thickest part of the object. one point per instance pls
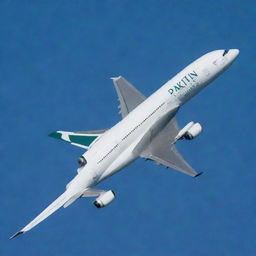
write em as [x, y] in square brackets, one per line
[148, 129]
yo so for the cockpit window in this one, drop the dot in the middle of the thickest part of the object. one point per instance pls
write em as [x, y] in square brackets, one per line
[82, 161]
[225, 52]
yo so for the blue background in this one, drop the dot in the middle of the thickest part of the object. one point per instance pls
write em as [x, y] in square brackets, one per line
[56, 58]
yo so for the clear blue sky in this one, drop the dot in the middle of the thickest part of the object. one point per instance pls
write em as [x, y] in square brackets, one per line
[56, 58]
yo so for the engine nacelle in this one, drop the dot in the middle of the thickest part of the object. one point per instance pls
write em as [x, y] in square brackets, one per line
[183, 131]
[193, 132]
[82, 161]
[189, 132]
[104, 199]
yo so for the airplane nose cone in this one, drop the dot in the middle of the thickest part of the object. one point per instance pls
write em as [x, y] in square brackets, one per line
[233, 54]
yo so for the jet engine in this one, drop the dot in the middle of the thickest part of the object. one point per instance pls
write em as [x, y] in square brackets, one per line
[82, 161]
[104, 199]
[189, 132]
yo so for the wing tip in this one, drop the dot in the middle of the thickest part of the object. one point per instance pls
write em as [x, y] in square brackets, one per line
[198, 174]
[16, 234]
[115, 78]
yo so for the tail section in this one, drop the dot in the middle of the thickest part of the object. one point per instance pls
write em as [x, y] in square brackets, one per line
[79, 139]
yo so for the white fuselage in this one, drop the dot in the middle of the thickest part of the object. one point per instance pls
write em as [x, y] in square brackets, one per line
[131, 137]
[118, 147]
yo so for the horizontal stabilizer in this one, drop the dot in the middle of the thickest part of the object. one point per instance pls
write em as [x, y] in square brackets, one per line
[79, 139]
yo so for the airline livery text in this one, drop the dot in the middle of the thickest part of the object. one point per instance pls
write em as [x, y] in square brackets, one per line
[184, 82]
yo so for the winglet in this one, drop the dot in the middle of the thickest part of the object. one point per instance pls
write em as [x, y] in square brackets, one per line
[115, 78]
[16, 234]
[198, 174]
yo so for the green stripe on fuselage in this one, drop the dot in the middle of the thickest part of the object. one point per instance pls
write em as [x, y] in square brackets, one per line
[82, 139]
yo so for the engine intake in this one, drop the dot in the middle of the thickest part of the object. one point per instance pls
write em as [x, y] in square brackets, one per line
[193, 132]
[189, 132]
[104, 199]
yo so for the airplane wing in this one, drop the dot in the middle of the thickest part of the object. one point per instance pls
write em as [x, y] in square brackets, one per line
[129, 97]
[63, 200]
[90, 192]
[54, 206]
[79, 139]
[162, 150]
